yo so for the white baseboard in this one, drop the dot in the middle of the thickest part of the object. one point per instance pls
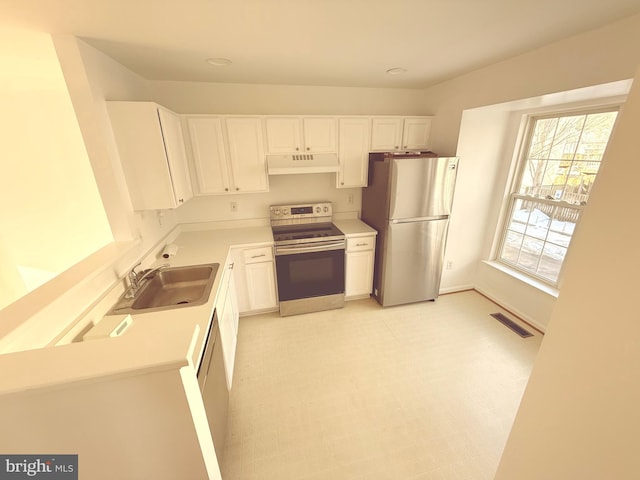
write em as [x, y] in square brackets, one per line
[457, 288]
[515, 311]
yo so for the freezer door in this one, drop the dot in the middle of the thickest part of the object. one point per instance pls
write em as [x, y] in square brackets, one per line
[422, 187]
[413, 258]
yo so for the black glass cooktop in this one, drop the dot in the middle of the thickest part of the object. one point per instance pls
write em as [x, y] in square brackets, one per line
[308, 231]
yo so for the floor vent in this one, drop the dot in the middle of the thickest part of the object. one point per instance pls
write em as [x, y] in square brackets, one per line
[512, 325]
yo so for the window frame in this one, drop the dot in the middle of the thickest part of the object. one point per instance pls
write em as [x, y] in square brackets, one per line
[523, 144]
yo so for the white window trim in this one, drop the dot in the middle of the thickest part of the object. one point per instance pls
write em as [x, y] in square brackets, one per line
[517, 166]
[524, 278]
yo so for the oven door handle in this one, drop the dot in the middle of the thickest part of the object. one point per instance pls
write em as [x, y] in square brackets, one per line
[291, 250]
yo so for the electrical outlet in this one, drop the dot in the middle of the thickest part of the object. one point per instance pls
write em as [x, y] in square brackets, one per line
[449, 264]
[233, 206]
[350, 199]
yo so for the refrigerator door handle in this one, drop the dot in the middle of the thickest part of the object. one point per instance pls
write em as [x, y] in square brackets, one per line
[419, 219]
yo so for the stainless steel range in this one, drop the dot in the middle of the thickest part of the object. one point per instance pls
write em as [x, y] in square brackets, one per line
[309, 258]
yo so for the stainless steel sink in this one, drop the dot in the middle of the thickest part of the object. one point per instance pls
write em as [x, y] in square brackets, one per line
[175, 287]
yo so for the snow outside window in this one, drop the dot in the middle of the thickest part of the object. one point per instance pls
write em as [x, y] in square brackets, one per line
[559, 166]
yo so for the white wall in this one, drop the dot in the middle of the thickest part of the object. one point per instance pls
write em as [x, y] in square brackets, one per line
[600, 56]
[47, 182]
[40, 317]
[200, 97]
[283, 189]
[578, 417]
[490, 136]
[93, 79]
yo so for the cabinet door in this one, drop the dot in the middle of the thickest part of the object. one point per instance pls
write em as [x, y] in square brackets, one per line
[229, 338]
[353, 152]
[319, 135]
[416, 134]
[209, 154]
[215, 395]
[227, 309]
[386, 134]
[176, 155]
[283, 134]
[233, 303]
[246, 155]
[239, 277]
[359, 273]
[141, 147]
[261, 285]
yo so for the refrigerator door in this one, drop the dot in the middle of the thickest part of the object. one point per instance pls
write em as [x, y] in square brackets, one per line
[422, 187]
[413, 257]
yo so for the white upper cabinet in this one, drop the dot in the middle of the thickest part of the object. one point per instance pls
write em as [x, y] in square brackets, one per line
[246, 154]
[286, 135]
[353, 152]
[228, 154]
[319, 134]
[386, 134]
[389, 134]
[416, 134]
[151, 147]
[210, 160]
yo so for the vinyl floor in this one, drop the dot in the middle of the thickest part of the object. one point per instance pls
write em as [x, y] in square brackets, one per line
[425, 391]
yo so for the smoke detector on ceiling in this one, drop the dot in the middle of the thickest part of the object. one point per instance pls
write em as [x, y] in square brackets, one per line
[396, 71]
[219, 62]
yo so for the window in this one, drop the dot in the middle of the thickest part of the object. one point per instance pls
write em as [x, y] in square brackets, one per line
[560, 162]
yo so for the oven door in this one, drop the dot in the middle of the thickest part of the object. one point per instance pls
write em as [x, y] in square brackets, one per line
[306, 271]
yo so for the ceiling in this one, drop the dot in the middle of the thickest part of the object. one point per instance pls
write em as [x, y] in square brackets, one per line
[314, 42]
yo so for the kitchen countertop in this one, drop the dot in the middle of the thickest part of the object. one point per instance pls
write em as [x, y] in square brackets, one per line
[354, 227]
[197, 247]
[171, 338]
[159, 340]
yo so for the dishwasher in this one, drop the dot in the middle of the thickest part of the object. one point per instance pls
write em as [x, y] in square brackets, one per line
[213, 387]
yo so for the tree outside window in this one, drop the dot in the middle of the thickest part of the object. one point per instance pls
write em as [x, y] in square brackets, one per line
[560, 164]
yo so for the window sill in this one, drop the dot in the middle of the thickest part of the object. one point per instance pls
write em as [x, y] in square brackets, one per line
[532, 282]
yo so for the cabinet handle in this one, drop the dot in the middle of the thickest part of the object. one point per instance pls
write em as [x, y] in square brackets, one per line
[297, 149]
[181, 200]
[361, 244]
[396, 147]
[226, 189]
[237, 188]
[258, 256]
[308, 149]
[231, 265]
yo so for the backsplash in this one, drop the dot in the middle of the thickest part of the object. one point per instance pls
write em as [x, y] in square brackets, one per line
[282, 189]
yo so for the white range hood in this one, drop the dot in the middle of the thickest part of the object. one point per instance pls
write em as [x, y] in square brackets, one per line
[302, 163]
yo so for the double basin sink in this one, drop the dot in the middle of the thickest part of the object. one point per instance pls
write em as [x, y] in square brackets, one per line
[171, 287]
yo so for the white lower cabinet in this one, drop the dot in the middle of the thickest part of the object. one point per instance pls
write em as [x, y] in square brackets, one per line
[255, 279]
[228, 316]
[360, 254]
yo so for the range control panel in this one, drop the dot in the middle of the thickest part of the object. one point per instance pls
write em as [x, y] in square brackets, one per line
[309, 210]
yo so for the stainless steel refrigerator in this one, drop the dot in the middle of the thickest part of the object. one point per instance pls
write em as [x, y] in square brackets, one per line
[408, 201]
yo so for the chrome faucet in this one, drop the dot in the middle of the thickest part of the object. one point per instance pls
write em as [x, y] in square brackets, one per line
[136, 278]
